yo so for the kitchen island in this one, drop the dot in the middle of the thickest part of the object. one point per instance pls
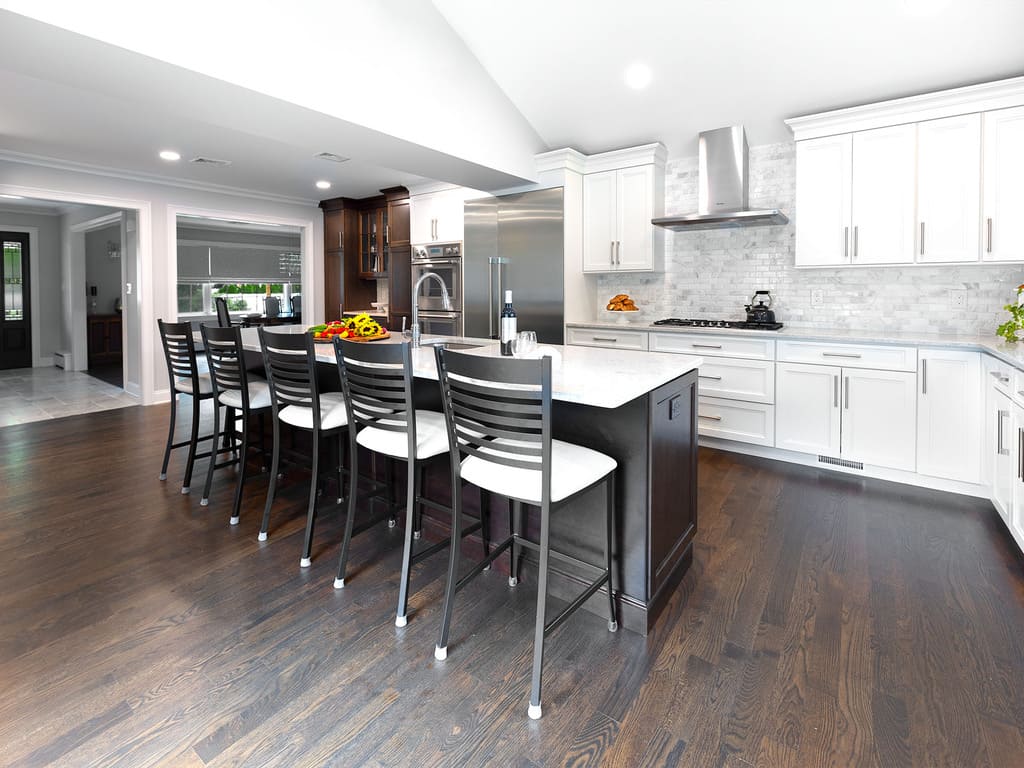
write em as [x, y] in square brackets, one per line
[639, 408]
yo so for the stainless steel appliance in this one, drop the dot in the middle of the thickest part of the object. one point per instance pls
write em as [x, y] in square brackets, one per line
[441, 323]
[515, 242]
[444, 259]
[702, 323]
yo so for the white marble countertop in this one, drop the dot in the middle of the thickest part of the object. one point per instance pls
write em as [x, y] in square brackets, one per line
[992, 344]
[604, 378]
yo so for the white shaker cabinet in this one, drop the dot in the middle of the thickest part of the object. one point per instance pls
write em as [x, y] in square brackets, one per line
[438, 216]
[1003, 193]
[878, 417]
[1014, 513]
[807, 411]
[618, 206]
[600, 221]
[1002, 447]
[882, 196]
[949, 414]
[823, 200]
[948, 189]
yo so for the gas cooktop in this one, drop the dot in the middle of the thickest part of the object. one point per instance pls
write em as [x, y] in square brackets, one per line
[698, 323]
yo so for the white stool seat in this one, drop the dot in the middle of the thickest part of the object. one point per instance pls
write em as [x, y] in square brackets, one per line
[205, 385]
[573, 468]
[332, 413]
[431, 437]
[259, 396]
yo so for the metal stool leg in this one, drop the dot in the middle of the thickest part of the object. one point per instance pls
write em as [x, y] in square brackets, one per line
[338, 450]
[213, 453]
[485, 523]
[417, 530]
[242, 470]
[517, 550]
[273, 482]
[613, 621]
[389, 481]
[412, 494]
[353, 494]
[311, 514]
[534, 710]
[441, 649]
[170, 434]
[193, 443]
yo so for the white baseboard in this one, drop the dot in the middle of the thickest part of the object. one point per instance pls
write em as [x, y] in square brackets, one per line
[133, 389]
[43, 362]
[878, 473]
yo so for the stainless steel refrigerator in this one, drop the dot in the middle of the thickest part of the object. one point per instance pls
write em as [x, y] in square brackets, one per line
[515, 242]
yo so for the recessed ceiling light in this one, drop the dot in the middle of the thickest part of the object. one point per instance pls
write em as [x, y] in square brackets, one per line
[323, 185]
[12, 197]
[638, 75]
[169, 155]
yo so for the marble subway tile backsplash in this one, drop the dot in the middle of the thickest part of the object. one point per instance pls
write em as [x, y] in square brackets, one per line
[713, 273]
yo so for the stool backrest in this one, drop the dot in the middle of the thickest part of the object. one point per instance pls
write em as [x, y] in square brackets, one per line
[180, 353]
[498, 410]
[377, 382]
[290, 360]
[227, 361]
[271, 306]
[223, 316]
[296, 302]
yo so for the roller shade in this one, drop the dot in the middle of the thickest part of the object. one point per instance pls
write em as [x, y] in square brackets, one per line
[237, 264]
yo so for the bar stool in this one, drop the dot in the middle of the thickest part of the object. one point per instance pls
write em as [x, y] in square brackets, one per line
[377, 381]
[223, 316]
[238, 390]
[290, 360]
[185, 379]
[498, 415]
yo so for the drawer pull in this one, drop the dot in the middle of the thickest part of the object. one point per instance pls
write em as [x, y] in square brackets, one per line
[924, 377]
[706, 346]
[719, 378]
[999, 377]
[846, 394]
[606, 338]
[709, 418]
[849, 355]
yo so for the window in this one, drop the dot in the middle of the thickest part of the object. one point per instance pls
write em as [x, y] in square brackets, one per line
[190, 298]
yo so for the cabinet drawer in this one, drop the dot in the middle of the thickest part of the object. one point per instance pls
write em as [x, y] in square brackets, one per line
[1000, 374]
[849, 355]
[735, 420]
[752, 380]
[718, 346]
[603, 337]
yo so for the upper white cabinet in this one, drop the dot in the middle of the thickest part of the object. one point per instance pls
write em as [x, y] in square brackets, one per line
[622, 192]
[928, 179]
[882, 196]
[1003, 231]
[949, 414]
[438, 216]
[823, 173]
[948, 188]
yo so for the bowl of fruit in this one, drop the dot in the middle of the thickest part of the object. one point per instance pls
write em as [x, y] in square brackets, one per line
[359, 328]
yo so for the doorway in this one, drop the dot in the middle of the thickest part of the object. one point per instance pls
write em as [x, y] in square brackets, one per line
[16, 317]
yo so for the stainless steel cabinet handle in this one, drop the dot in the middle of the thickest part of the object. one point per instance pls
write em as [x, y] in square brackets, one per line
[999, 433]
[709, 418]
[387, 234]
[847, 393]
[856, 240]
[706, 346]
[606, 338]
[835, 391]
[988, 234]
[924, 377]
[1020, 453]
[850, 355]
[618, 253]
[846, 243]
[710, 378]
[922, 238]
[611, 252]
[340, 243]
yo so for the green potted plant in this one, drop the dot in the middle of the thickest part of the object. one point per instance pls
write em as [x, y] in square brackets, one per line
[1010, 328]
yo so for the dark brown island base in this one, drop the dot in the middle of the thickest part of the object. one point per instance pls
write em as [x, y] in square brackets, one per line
[639, 408]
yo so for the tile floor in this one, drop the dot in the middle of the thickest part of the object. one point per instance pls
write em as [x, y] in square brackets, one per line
[35, 394]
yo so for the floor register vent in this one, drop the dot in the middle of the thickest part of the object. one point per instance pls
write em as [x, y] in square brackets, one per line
[840, 462]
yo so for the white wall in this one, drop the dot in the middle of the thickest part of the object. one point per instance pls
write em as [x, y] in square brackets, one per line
[102, 271]
[45, 290]
[158, 206]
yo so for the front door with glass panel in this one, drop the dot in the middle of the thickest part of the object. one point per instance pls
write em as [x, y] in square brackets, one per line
[15, 326]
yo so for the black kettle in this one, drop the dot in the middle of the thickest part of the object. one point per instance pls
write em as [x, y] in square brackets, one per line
[760, 312]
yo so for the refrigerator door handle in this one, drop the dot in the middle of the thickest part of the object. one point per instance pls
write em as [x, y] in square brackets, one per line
[490, 298]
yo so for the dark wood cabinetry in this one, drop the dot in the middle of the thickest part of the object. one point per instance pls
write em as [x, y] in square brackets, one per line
[104, 337]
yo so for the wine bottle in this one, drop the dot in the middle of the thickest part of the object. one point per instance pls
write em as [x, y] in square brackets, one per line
[508, 325]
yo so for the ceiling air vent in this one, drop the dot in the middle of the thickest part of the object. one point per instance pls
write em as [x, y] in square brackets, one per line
[331, 157]
[209, 161]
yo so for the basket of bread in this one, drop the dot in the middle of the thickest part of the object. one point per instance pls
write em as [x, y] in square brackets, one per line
[620, 307]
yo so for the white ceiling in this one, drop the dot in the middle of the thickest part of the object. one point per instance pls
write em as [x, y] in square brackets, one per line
[458, 90]
[725, 62]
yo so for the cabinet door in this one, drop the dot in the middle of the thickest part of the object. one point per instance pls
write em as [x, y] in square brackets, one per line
[1003, 464]
[807, 408]
[449, 215]
[1015, 517]
[823, 201]
[421, 219]
[599, 221]
[398, 223]
[883, 196]
[948, 189]
[635, 203]
[949, 415]
[1003, 196]
[879, 414]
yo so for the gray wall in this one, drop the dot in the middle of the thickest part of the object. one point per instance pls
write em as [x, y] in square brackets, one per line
[102, 271]
[47, 259]
[713, 273]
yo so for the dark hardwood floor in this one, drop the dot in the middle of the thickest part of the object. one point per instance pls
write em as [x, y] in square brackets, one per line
[827, 621]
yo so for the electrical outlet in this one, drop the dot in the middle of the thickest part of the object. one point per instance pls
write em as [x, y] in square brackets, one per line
[958, 298]
[817, 297]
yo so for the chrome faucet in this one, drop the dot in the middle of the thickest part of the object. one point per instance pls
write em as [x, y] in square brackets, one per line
[445, 299]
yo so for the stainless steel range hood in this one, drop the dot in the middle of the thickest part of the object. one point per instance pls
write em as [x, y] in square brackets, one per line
[722, 179]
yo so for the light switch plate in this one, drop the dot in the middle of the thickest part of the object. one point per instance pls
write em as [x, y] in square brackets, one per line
[817, 297]
[958, 298]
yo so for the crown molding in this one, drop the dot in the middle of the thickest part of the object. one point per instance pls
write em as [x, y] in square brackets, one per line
[27, 210]
[565, 159]
[430, 187]
[982, 97]
[645, 154]
[148, 178]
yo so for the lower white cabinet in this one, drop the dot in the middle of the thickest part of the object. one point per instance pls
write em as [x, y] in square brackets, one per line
[1013, 512]
[949, 414]
[1003, 475]
[857, 414]
[736, 420]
